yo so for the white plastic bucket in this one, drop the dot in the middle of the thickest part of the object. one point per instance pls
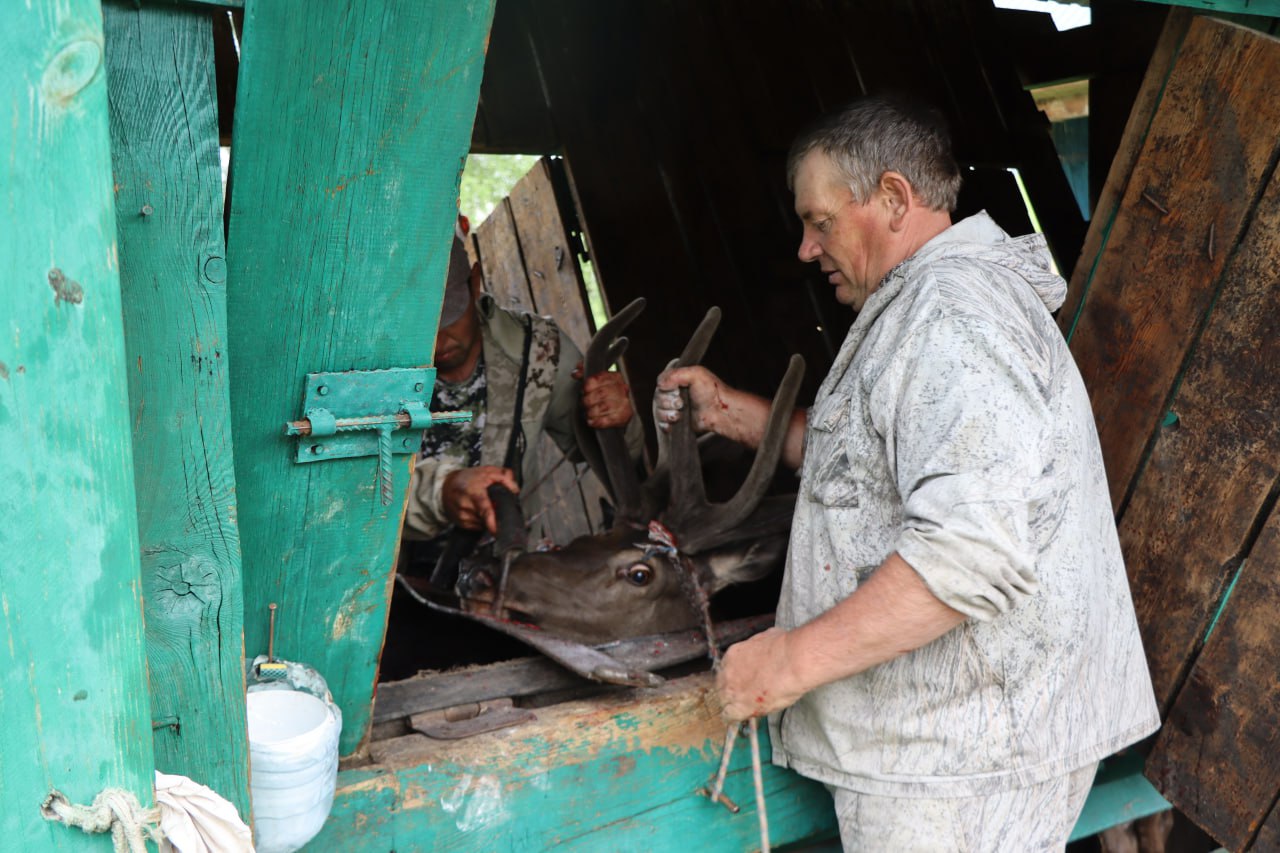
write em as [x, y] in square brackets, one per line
[293, 763]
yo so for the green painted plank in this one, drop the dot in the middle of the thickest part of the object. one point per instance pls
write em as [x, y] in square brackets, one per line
[1120, 794]
[168, 191]
[1268, 8]
[352, 124]
[74, 709]
[609, 774]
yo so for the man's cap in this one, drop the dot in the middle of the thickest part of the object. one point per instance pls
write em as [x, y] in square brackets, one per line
[457, 285]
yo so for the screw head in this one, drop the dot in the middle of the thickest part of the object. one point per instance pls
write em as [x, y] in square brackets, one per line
[406, 442]
[322, 390]
[147, 210]
[317, 449]
[418, 386]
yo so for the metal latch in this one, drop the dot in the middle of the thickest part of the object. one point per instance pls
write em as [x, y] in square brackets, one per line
[367, 413]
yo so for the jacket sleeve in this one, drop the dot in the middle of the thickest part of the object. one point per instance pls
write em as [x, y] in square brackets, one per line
[963, 418]
[565, 406]
[424, 516]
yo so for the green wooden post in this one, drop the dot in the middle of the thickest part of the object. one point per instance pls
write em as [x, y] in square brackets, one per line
[352, 123]
[168, 192]
[74, 709]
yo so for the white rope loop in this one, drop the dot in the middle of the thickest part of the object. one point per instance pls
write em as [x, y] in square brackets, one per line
[114, 809]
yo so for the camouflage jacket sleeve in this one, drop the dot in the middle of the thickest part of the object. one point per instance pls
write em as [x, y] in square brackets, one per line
[424, 516]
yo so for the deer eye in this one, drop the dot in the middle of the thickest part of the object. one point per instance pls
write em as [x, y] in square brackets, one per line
[637, 574]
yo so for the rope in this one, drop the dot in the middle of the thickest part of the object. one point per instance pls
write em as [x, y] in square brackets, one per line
[115, 810]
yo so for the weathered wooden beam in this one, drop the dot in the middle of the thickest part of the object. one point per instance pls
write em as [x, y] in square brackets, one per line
[1154, 277]
[531, 676]
[74, 709]
[1207, 485]
[613, 773]
[168, 194]
[1222, 460]
[352, 123]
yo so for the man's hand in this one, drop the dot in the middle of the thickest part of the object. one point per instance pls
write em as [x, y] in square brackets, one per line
[756, 677]
[706, 397]
[465, 497]
[605, 399]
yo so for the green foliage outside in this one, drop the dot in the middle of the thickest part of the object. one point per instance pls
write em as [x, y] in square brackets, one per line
[487, 179]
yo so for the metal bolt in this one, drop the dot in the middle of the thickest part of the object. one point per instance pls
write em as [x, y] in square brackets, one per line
[147, 210]
[406, 442]
[317, 449]
[418, 386]
[322, 390]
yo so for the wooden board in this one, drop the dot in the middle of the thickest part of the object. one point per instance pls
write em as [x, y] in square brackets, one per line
[74, 707]
[611, 774]
[498, 244]
[1122, 166]
[168, 193]
[1215, 758]
[351, 128]
[1197, 507]
[1155, 277]
[529, 264]
[1194, 516]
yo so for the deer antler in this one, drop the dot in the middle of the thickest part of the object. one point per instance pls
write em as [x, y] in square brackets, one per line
[699, 524]
[608, 456]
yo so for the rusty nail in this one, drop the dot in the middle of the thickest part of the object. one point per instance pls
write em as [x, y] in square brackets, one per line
[147, 210]
[720, 798]
[1152, 201]
[1211, 228]
[322, 390]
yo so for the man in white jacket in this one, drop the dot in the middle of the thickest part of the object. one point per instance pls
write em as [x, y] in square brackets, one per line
[956, 645]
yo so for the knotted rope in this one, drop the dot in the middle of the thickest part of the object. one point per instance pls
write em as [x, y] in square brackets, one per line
[115, 810]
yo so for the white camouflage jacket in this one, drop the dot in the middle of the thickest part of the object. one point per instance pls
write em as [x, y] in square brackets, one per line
[954, 429]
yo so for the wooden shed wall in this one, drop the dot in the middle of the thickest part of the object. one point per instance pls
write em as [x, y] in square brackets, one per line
[675, 119]
[1171, 318]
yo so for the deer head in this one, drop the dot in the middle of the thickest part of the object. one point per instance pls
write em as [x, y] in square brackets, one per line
[626, 582]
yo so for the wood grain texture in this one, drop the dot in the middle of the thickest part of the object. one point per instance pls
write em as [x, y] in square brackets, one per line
[501, 261]
[164, 135]
[1155, 276]
[74, 709]
[351, 128]
[572, 493]
[1195, 510]
[554, 281]
[1122, 165]
[612, 774]
[1215, 759]
[1191, 521]
[1268, 837]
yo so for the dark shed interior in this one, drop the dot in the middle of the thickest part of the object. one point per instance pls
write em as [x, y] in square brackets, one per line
[675, 119]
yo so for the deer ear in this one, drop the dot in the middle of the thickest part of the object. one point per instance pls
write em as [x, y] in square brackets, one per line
[745, 562]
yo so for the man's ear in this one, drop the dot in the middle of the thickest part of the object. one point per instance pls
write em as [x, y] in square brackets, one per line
[898, 198]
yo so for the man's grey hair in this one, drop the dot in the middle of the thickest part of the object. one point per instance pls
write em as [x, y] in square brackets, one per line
[879, 134]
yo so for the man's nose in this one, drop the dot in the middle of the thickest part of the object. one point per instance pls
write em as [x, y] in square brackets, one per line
[809, 249]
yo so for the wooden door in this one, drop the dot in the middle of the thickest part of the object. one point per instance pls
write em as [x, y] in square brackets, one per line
[1172, 317]
[351, 127]
[529, 262]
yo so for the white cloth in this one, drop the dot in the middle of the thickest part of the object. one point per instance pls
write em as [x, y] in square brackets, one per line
[195, 819]
[954, 429]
